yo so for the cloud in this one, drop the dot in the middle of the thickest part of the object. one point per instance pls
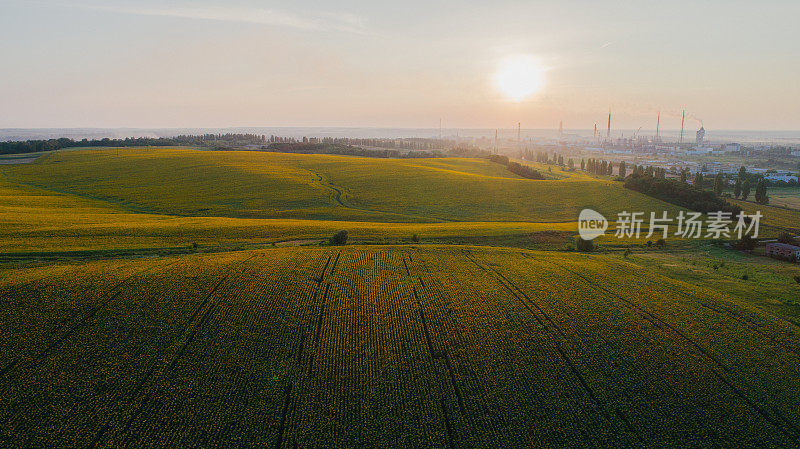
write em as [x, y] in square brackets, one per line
[342, 22]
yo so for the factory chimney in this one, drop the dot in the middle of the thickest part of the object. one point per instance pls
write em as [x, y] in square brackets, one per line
[658, 125]
[608, 133]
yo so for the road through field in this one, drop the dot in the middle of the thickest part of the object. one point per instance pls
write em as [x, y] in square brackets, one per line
[441, 346]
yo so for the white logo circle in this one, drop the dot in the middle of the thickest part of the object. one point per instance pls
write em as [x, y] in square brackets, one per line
[591, 224]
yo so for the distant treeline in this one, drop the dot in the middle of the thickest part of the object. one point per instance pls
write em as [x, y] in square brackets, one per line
[421, 147]
[346, 150]
[406, 143]
[517, 168]
[212, 141]
[679, 193]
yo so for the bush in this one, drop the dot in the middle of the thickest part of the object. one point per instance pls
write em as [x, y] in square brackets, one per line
[787, 238]
[660, 243]
[584, 245]
[626, 253]
[745, 277]
[746, 243]
[415, 238]
[338, 239]
[797, 279]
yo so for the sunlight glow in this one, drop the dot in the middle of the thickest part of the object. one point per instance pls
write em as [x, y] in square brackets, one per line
[519, 77]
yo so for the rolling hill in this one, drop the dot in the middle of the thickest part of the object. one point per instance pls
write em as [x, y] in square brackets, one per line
[321, 187]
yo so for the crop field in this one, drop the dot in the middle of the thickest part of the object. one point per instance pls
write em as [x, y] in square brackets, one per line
[36, 220]
[320, 187]
[447, 346]
[779, 218]
[168, 198]
[788, 197]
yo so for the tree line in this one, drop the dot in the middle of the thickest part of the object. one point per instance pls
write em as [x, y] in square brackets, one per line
[679, 193]
[346, 150]
[213, 141]
[517, 168]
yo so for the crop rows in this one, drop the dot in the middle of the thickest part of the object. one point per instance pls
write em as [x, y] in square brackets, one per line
[376, 346]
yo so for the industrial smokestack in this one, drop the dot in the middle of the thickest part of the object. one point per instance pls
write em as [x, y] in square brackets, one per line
[608, 133]
[658, 124]
[683, 117]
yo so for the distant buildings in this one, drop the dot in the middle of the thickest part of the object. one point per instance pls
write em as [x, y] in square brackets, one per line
[783, 251]
[780, 177]
[701, 133]
[732, 147]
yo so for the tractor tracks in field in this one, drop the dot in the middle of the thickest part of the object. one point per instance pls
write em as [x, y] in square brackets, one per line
[463, 399]
[74, 326]
[780, 422]
[547, 322]
[163, 367]
[339, 195]
[307, 349]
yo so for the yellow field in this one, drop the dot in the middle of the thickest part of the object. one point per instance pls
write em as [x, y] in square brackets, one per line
[149, 198]
[273, 185]
[375, 346]
[784, 219]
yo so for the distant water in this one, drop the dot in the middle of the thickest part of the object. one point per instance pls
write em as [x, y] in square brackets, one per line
[719, 136]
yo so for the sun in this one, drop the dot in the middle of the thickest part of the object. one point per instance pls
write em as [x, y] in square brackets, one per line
[519, 77]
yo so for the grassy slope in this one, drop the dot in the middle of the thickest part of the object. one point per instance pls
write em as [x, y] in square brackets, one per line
[377, 346]
[37, 220]
[782, 219]
[270, 185]
[770, 284]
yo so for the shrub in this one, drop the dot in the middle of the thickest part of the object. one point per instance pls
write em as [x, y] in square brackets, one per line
[787, 238]
[745, 277]
[797, 279]
[660, 243]
[415, 238]
[626, 253]
[746, 243]
[584, 245]
[340, 238]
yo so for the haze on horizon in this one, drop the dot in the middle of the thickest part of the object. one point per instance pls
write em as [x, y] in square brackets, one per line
[120, 63]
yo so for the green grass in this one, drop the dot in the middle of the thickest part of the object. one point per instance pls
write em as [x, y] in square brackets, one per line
[388, 346]
[769, 283]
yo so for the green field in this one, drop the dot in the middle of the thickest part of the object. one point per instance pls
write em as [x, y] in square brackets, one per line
[374, 346]
[320, 187]
[785, 197]
[177, 297]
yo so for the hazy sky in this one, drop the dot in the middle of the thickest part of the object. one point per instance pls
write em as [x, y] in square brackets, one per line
[209, 63]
